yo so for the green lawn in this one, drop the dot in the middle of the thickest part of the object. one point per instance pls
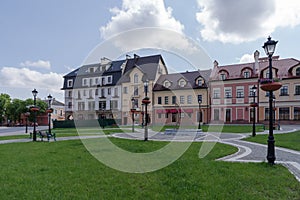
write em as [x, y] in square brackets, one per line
[66, 170]
[287, 140]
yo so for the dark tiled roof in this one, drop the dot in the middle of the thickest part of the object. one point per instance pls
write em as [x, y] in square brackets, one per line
[189, 77]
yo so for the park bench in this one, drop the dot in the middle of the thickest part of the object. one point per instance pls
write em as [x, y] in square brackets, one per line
[45, 134]
[183, 131]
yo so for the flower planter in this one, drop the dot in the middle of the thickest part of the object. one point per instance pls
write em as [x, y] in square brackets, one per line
[273, 86]
[49, 110]
[253, 104]
[146, 101]
[34, 109]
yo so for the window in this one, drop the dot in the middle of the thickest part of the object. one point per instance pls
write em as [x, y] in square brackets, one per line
[174, 117]
[228, 93]
[298, 71]
[266, 113]
[91, 81]
[246, 74]
[103, 80]
[136, 91]
[284, 90]
[80, 105]
[125, 90]
[167, 84]
[240, 92]
[223, 77]
[109, 79]
[102, 105]
[70, 93]
[96, 92]
[284, 113]
[158, 100]
[114, 104]
[181, 83]
[181, 99]
[296, 113]
[216, 114]
[70, 83]
[90, 94]
[199, 98]
[84, 82]
[200, 82]
[166, 100]
[79, 94]
[189, 99]
[91, 69]
[102, 92]
[216, 93]
[159, 115]
[108, 91]
[136, 78]
[297, 90]
[84, 93]
[69, 105]
[116, 91]
[173, 99]
[91, 105]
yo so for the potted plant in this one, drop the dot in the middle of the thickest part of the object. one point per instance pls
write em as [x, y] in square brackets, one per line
[253, 104]
[146, 100]
[270, 84]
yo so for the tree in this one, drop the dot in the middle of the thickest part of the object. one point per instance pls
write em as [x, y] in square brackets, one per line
[4, 102]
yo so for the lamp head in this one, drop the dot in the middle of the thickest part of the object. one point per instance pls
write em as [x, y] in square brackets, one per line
[34, 92]
[269, 46]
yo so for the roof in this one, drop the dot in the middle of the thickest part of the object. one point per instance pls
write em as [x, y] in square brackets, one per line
[189, 77]
[54, 102]
[234, 71]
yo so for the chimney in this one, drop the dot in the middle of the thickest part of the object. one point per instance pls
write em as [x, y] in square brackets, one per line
[105, 61]
[256, 64]
[216, 64]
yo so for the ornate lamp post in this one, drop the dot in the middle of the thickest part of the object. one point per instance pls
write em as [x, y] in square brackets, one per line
[34, 109]
[146, 101]
[49, 111]
[199, 102]
[132, 113]
[269, 48]
[254, 111]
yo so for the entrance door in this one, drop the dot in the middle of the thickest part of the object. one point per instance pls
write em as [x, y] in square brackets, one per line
[228, 115]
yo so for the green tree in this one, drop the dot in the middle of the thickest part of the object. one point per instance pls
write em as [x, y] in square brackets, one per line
[4, 102]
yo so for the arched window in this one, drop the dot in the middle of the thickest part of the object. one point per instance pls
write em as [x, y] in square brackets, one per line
[136, 78]
[298, 71]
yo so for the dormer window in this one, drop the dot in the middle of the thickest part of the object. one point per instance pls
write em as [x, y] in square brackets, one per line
[182, 83]
[91, 69]
[200, 82]
[167, 84]
[70, 83]
[246, 74]
[223, 77]
[298, 71]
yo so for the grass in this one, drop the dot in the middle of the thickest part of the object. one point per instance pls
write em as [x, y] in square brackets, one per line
[287, 140]
[216, 128]
[66, 170]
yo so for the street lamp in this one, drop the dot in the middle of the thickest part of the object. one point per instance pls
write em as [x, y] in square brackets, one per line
[34, 93]
[269, 48]
[49, 113]
[132, 113]
[146, 101]
[254, 111]
[199, 102]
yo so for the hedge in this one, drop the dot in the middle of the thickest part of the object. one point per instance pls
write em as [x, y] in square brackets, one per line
[86, 123]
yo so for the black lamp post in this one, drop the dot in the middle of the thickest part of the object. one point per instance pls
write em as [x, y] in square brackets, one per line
[254, 111]
[146, 101]
[199, 102]
[34, 93]
[49, 113]
[132, 113]
[269, 48]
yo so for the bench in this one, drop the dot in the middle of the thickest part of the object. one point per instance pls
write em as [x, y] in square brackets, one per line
[45, 134]
[183, 131]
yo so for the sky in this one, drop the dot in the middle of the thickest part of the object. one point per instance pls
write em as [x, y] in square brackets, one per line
[41, 41]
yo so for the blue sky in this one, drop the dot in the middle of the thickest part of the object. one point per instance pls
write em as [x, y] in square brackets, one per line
[43, 40]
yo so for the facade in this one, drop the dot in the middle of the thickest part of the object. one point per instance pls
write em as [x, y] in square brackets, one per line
[181, 99]
[115, 89]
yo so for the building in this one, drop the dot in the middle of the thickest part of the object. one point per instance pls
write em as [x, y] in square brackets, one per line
[182, 98]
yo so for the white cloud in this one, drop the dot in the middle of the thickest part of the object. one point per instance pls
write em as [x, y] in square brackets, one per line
[234, 21]
[11, 77]
[140, 14]
[246, 58]
[37, 64]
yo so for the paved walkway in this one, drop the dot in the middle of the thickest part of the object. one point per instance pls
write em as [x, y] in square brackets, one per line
[247, 151]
